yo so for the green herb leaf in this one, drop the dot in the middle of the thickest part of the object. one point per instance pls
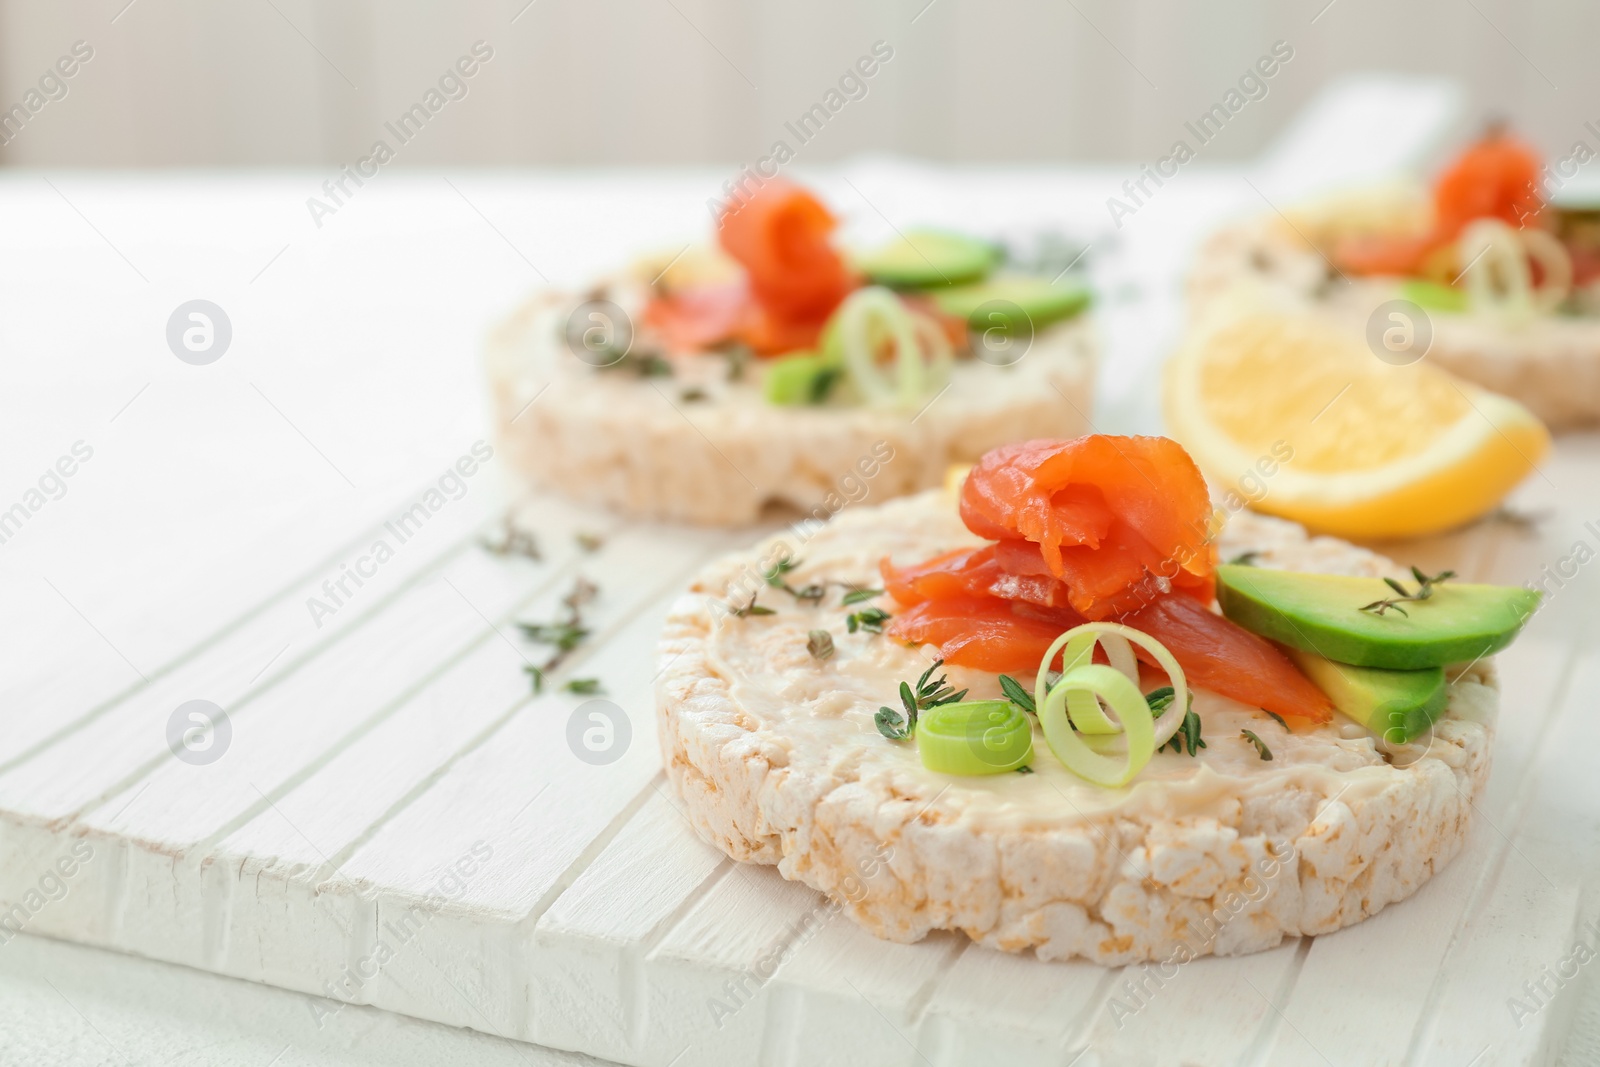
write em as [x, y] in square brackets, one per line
[643, 364]
[739, 356]
[1024, 769]
[1013, 691]
[1425, 588]
[820, 644]
[812, 594]
[856, 596]
[908, 702]
[1189, 731]
[511, 541]
[583, 591]
[583, 686]
[752, 608]
[653, 366]
[1261, 746]
[1246, 559]
[1278, 717]
[822, 384]
[1188, 735]
[891, 725]
[565, 636]
[773, 575]
[871, 619]
[930, 692]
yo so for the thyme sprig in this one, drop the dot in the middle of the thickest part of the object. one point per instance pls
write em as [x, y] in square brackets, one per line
[739, 357]
[1261, 746]
[563, 634]
[511, 541]
[1425, 588]
[1188, 735]
[869, 619]
[643, 364]
[752, 608]
[809, 594]
[1017, 695]
[857, 596]
[773, 575]
[930, 692]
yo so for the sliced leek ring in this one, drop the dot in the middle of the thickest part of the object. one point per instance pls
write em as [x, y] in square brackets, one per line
[1072, 709]
[870, 317]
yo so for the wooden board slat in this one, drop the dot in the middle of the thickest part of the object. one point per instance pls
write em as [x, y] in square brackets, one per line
[990, 1003]
[588, 976]
[1397, 952]
[115, 749]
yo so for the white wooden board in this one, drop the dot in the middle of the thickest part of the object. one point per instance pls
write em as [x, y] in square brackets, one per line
[397, 821]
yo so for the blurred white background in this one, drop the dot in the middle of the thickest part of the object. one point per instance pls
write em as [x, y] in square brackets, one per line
[263, 82]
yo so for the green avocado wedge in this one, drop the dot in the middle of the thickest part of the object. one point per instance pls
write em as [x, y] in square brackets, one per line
[926, 258]
[800, 379]
[1013, 302]
[1435, 297]
[1321, 613]
[1398, 706]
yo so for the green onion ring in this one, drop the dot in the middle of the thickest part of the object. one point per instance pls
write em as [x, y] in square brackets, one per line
[1096, 682]
[974, 737]
[922, 352]
[1089, 743]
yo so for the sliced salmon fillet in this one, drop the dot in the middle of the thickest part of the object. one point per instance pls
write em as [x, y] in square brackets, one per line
[1061, 493]
[1123, 574]
[780, 235]
[1011, 637]
[1497, 177]
[693, 320]
[964, 572]
[1222, 656]
[986, 633]
[794, 278]
[1097, 528]
[1117, 519]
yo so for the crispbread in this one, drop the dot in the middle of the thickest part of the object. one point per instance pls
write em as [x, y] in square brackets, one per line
[1550, 363]
[722, 454]
[776, 759]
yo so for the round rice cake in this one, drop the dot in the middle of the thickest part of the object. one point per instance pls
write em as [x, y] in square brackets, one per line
[776, 758]
[1550, 363]
[700, 444]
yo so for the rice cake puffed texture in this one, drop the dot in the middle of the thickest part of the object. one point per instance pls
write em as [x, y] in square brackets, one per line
[776, 758]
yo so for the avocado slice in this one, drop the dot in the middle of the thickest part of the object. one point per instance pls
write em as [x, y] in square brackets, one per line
[926, 258]
[1433, 296]
[801, 378]
[1039, 302]
[1321, 613]
[1396, 705]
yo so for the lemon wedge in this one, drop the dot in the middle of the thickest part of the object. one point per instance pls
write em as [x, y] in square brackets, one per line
[1294, 414]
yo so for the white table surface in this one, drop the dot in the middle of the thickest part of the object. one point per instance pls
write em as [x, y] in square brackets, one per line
[352, 379]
